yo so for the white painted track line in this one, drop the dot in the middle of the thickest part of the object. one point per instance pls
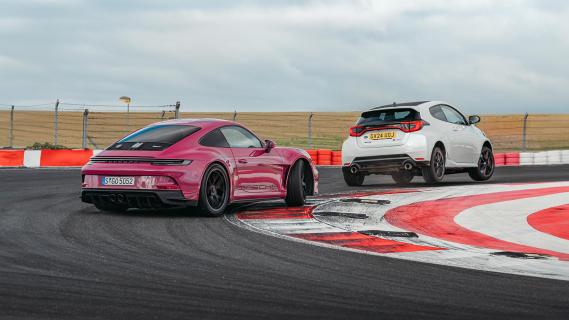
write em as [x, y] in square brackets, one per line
[508, 221]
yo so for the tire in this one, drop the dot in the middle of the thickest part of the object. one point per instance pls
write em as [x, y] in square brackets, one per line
[486, 166]
[297, 188]
[110, 207]
[214, 191]
[435, 172]
[402, 177]
[352, 180]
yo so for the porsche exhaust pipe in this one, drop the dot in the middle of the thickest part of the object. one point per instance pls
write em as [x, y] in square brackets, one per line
[121, 198]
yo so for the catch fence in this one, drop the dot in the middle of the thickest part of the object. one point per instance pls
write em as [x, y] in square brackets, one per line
[97, 126]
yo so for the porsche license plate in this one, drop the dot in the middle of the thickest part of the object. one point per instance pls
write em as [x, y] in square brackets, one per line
[382, 135]
[117, 181]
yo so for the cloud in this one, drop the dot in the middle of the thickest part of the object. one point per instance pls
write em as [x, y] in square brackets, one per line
[488, 56]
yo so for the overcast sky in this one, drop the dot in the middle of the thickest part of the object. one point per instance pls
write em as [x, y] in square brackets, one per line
[486, 56]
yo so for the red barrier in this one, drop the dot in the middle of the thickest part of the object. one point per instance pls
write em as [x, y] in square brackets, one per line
[500, 159]
[324, 157]
[314, 155]
[65, 158]
[337, 158]
[512, 159]
[11, 158]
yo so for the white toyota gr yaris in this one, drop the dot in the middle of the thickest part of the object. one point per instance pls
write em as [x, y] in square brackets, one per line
[425, 138]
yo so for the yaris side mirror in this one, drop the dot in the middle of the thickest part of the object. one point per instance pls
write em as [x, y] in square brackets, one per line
[473, 119]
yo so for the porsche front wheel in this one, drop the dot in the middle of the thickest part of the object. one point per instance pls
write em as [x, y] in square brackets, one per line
[297, 186]
[214, 191]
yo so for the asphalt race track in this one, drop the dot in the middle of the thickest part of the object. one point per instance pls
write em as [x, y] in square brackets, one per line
[62, 259]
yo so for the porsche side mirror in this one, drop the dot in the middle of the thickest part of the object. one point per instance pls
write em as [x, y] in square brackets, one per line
[473, 119]
[269, 145]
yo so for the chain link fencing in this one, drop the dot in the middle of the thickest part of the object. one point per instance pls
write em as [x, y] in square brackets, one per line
[75, 125]
[98, 126]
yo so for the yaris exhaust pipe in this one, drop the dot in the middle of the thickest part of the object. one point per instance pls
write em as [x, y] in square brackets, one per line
[354, 169]
[407, 165]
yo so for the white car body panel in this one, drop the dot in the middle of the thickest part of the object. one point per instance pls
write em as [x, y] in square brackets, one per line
[463, 143]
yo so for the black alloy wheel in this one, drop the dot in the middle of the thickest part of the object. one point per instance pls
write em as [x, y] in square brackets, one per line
[351, 179]
[214, 191]
[486, 166]
[403, 177]
[435, 172]
[298, 185]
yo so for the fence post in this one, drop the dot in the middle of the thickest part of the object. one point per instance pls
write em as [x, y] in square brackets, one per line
[177, 109]
[309, 139]
[56, 122]
[85, 124]
[524, 133]
[11, 132]
[235, 115]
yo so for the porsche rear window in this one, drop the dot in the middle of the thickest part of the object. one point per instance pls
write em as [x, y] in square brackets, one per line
[154, 137]
[377, 117]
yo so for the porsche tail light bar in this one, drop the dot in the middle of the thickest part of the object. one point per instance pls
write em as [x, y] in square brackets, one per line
[130, 160]
[405, 126]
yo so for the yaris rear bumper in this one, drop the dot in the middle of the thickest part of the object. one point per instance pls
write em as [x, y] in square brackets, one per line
[383, 164]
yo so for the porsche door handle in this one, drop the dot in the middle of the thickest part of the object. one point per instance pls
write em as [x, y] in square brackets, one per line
[242, 161]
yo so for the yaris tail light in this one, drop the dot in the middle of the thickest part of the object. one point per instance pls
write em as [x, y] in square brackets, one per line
[357, 131]
[405, 126]
[412, 126]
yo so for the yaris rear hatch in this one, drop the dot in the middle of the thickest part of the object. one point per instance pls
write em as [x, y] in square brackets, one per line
[386, 127]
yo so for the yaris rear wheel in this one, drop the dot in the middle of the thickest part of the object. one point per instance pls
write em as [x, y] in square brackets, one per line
[486, 166]
[435, 172]
[351, 179]
[402, 177]
[214, 191]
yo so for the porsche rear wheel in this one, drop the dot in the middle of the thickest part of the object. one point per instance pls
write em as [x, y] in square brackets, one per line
[297, 187]
[214, 191]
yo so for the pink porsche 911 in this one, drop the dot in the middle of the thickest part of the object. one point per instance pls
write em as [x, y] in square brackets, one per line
[207, 163]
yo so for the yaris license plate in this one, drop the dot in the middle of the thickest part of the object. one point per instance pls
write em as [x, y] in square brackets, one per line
[382, 135]
[117, 181]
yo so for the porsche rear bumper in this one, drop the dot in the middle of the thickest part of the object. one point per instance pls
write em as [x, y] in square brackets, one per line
[142, 199]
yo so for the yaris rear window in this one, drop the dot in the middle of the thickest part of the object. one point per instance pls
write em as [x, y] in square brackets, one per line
[154, 138]
[379, 117]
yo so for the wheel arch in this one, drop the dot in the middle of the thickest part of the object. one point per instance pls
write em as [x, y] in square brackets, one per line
[440, 144]
[307, 170]
[229, 176]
